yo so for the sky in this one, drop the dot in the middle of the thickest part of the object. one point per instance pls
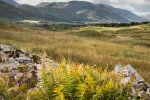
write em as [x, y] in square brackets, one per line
[140, 7]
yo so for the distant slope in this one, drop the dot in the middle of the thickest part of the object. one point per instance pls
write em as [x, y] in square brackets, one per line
[11, 12]
[129, 16]
[12, 2]
[85, 11]
[80, 11]
[147, 16]
[36, 13]
[8, 11]
[126, 14]
[76, 11]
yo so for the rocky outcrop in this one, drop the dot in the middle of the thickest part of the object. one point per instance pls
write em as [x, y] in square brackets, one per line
[140, 88]
[21, 67]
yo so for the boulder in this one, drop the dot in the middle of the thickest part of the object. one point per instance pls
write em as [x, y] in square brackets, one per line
[139, 84]
[6, 48]
[1, 98]
[24, 60]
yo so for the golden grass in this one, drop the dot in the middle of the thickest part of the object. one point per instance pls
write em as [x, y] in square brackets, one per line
[105, 49]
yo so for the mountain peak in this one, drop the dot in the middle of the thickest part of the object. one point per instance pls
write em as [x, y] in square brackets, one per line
[43, 4]
[79, 2]
[78, 11]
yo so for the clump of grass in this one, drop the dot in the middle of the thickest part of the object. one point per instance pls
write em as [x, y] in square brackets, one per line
[87, 33]
[3, 86]
[35, 94]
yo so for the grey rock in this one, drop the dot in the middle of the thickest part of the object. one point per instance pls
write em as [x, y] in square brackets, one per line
[24, 60]
[1, 98]
[6, 47]
[138, 84]
[118, 69]
[21, 67]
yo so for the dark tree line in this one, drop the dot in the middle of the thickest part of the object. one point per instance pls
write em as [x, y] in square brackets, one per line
[119, 24]
[57, 27]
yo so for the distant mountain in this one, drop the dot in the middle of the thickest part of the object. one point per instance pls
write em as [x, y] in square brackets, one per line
[8, 11]
[88, 12]
[12, 2]
[37, 13]
[147, 16]
[126, 14]
[76, 11]
[43, 4]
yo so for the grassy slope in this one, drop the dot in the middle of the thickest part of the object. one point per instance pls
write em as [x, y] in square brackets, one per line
[92, 45]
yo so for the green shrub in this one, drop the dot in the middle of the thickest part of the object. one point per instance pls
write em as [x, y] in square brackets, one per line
[77, 82]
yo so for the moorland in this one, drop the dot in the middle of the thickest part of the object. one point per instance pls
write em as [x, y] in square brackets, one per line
[90, 44]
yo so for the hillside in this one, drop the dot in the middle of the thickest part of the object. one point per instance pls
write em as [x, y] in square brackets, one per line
[125, 14]
[12, 2]
[87, 12]
[91, 52]
[37, 14]
[89, 45]
[146, 16]
[8, 11]
[73, 11]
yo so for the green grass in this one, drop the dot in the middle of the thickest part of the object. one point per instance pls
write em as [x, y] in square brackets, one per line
[103, 46]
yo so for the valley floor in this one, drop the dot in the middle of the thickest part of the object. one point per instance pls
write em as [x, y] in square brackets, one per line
[101, 46]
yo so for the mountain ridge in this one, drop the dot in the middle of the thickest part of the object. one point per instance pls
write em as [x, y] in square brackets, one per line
[75, 11]
[12, 2]
[86, 11]
[147, 16]
[12, 12]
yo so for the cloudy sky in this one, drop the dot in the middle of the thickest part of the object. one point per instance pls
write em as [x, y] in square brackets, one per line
[139, 7]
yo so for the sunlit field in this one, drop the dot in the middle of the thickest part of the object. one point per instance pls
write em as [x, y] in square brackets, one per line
[92, 45]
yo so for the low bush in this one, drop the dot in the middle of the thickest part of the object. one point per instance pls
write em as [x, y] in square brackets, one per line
[78, 82]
